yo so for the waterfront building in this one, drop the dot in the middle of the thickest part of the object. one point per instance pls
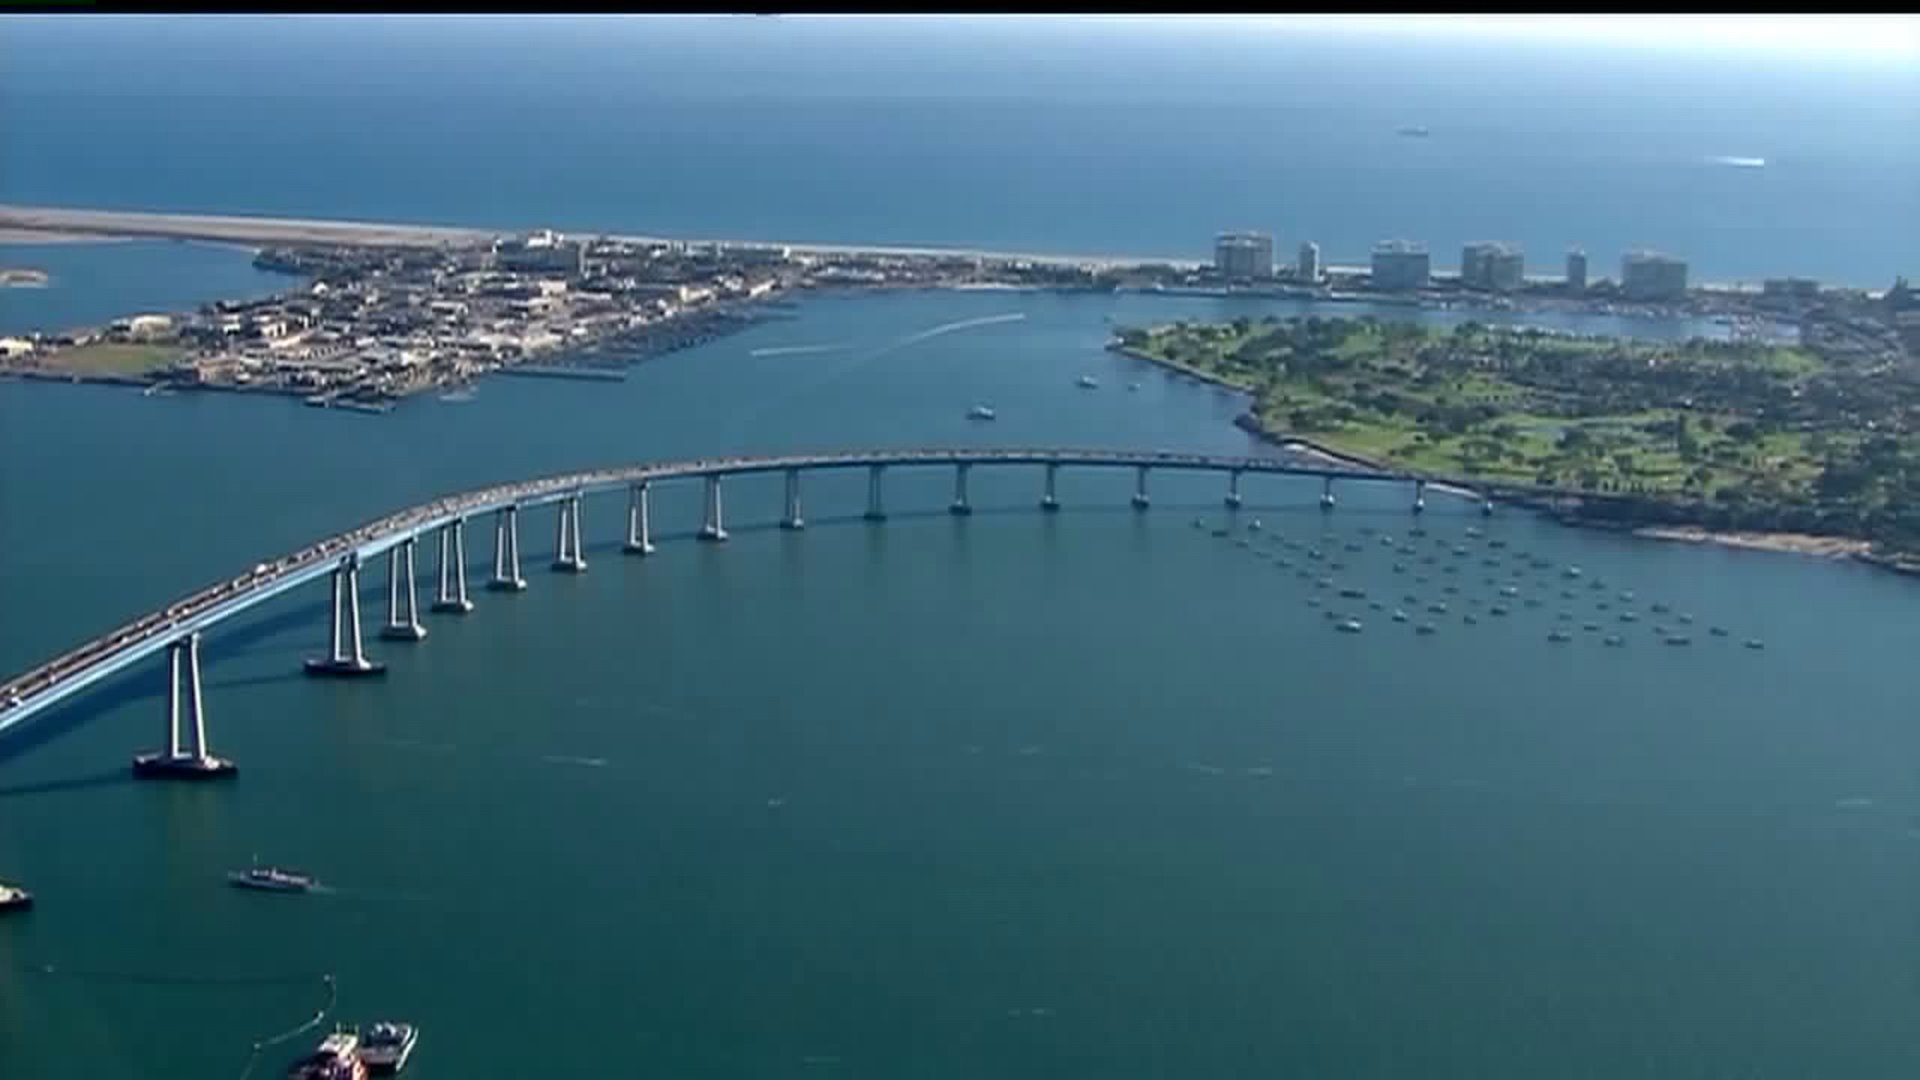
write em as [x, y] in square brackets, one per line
[1308, 267]
[1400, 265]
[1651, 275]
[1793, 288]
[1243, 256]
[1576, 270]
[1493, 266]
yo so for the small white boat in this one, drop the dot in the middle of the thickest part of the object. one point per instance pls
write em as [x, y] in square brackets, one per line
[386, 1045]
[1088, 382]
[981, 412]
[1350, 626]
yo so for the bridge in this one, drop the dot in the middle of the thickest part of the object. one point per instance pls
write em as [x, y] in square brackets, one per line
[178, 626]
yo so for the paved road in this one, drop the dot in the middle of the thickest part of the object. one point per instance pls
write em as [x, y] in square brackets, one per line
[34, 691]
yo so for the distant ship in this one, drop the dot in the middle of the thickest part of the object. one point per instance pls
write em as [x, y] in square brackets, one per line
[1414, 132]
[1089, 382]
[980, 412]
[271, 879]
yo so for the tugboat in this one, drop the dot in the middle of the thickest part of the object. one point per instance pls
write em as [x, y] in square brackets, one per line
[386, 1045]
[336, 1058]
[14, 898]
[271, 879]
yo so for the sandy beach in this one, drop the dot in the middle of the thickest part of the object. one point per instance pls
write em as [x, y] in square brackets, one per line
[45, 224]
[1831, 547]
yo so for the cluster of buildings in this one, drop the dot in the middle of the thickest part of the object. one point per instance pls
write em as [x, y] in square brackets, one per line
[379, 323]
[1406, 266]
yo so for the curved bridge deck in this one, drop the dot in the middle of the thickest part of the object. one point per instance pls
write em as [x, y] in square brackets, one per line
[34, 691]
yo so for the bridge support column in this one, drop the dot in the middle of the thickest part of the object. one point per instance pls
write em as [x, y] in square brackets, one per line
[568, 558]
[1233, 490]
[506, 551]
[403, 614]
[714, 527]
[791, 518]
[1419, 496]
[1326, 493]
[177, 762]
[451, 596]
[960, 506]
[1140, 499]
[346, 656]
[876, 504]
[639, 539]
[1050, 501]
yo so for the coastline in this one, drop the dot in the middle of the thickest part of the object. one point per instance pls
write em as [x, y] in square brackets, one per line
[1828, 547]
[1836, 548]
[47, 223]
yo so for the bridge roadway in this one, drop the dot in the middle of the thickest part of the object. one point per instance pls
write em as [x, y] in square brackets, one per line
[34, 691]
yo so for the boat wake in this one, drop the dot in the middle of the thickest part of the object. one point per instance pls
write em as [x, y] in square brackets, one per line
[954, 327]
[794, 350]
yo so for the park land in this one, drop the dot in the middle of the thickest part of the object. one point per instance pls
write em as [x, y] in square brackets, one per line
[1725, 435]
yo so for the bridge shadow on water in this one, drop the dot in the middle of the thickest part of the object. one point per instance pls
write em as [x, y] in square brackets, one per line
[148, 682]
[102, 779]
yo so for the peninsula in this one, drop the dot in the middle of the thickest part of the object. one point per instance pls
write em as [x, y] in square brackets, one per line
[1731, 437]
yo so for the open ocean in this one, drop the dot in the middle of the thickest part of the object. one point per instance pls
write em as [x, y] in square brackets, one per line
[1081, 137]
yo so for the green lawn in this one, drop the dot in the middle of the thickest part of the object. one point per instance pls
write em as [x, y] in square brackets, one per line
[115, 358]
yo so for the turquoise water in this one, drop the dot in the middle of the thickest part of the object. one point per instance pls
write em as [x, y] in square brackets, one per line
[1048, 136]
[1016, 795]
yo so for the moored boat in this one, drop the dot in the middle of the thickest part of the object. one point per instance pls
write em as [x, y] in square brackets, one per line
[336, 1058]
[386, 1045]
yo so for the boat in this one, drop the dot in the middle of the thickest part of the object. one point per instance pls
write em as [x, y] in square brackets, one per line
[1717, 631]
[1559, 636]
[1679, 639]
[1755, 643]
[1573, 571]
[14, 898]
[1399, 615]
[1254, 525]
[1615, 640]
[1088, 382]
[1350, 626]
[980, 412]
[1426, 628]
[271, 879]
[1133, 386]
[385, 1046]
[336, 1058]
[1352, 593]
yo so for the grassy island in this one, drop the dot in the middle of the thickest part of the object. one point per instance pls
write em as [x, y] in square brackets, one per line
[1725, 435]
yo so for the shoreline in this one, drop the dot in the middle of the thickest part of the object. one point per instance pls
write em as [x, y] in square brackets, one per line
[1834, 548]
[47, 224]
